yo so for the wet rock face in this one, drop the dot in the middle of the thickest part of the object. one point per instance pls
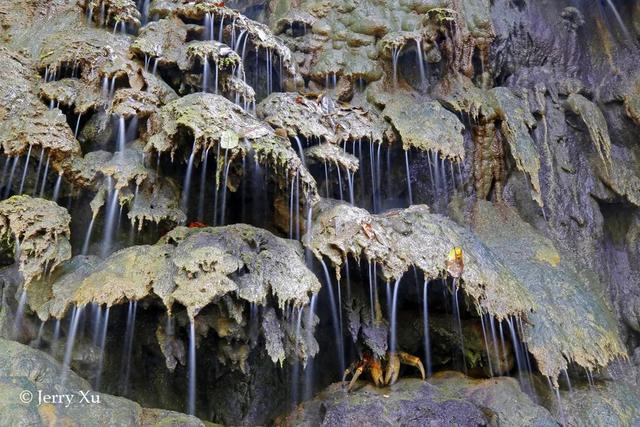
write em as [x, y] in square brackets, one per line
[505, 128]
[39, 230]
[28, 369]
[404, 403]
[449, 398]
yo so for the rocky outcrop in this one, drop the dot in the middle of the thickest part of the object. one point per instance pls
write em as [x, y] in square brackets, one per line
[28, 373]
[39, 232]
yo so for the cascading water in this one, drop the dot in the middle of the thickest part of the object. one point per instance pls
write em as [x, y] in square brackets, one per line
[425, 320]
[71, 338]
[191, 403]
[110, 218]
[25, 169]
[125, 370]
[337, 325]
[187, 180]
[393, 342]
[309, 373]
[101, 345]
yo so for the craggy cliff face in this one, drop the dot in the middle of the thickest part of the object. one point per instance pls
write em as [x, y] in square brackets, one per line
[215, 208]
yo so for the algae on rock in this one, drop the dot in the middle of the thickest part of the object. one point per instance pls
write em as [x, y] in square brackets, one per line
[426, 126]
[571, 320]
[40, 232]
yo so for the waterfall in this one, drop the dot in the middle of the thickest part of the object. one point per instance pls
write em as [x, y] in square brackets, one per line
[394, 316]
[97, 318]
[269, 71]
[56, 332]
[406, 162]
[395, 56]
[339, 181]
[556, 391]
[372, 272]
[217, 184]
[221, 29]
[71, 338]
[373, 179]
[11, 174]
[75, 132]
[205, 74]
[207, 26]
[110, 219]
[25, 169]
[105, 87]
[112, 87]
[125, 365]
[191, 407]
[300, 150]
[38, 340]
[308, 375]
[456, 313]
[17, 322]
[121, 138]
[425, 320]
[44, 175]
[87, 239]
[420, 60]
[502, 343]
[297, 211]
[223, 209]
[295, 369]
[217, 71]
[203, 181]
[40, 161]
[144, 12]
[494, 338]
[101, 345]
[516, 350]
[337, 326]
[486, 343]
[56, 188]
[186, 186]
[291, 201]
[623, 27]
[350, 184]
[4, 170]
